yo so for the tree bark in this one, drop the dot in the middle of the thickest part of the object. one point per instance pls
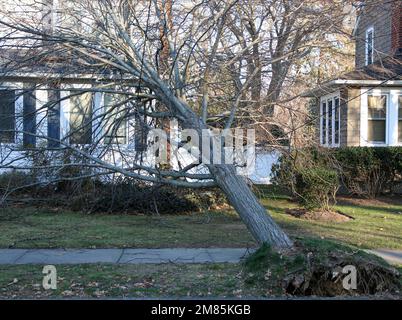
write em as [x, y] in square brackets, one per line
[253, 214]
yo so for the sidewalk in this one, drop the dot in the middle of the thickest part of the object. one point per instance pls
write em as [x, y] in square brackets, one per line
[132, 256]
[136, 256]
[391, 256]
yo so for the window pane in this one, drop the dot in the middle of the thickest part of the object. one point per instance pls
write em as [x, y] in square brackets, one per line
[369, 44]
[324, 123]
[337, 122]
[7, 116]
[330, 115]
[80, 119]
[376, 131]
[116, 123]
[377, 107]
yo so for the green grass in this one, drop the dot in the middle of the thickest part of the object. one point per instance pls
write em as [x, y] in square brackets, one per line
[44, 228]
[135, 281]
[378, 226]
[375, 225]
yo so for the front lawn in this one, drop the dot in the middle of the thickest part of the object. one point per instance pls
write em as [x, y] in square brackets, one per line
[376, 224]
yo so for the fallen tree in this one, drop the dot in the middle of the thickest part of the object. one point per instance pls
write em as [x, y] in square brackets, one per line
[194, 63]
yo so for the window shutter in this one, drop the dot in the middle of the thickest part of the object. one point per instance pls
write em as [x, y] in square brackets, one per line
[140, 134]
[7, 116]
[29, 116]
[53, 120]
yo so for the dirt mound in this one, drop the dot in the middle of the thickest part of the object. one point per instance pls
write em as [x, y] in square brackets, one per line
[320, 215]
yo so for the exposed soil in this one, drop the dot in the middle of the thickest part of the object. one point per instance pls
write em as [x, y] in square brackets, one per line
[319, 215]
[379, 201]
[327, 278]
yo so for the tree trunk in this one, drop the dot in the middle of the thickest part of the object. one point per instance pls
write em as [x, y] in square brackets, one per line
[262, 227]
[254, 215]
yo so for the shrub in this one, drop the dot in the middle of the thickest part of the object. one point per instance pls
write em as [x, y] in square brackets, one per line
[14, 180]
[308, 176]
[317, 187]
[367, 171]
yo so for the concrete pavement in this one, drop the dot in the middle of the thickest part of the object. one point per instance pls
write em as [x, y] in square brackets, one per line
[132, 256]
[391, 256]
[137, 256]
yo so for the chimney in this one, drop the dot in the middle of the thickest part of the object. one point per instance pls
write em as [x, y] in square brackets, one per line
[397, 28]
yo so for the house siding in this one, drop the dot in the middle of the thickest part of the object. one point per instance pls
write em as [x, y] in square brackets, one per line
[352, 119]
[376, 14]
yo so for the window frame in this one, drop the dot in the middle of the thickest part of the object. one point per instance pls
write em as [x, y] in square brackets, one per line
[386, 119]
[366, 46]
[365, 93]
[329, 100]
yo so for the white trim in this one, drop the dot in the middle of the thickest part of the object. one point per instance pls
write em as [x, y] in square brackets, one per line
[369, 29]
[41, 97]
[391, 127]
[64, 114]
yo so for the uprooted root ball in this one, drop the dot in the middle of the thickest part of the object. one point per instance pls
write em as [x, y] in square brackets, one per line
[334, 277]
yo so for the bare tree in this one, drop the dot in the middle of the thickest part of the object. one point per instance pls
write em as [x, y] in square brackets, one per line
[188, 61]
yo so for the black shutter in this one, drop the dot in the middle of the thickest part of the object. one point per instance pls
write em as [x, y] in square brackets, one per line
[29, 116]
[53, 118]
[7, 116]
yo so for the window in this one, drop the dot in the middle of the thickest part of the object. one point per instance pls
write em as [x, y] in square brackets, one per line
[330, 121]
[7, 116]
[330, 118]
[369, 46]
[377, 114]
[324, 123]
[400, 120]
[336, 120]
[116, 123]
[81, 118]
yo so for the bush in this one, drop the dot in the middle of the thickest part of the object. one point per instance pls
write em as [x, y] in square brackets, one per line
[14, 181]
[317, 187]
[367, 171]
[307, 176]
[363, 171]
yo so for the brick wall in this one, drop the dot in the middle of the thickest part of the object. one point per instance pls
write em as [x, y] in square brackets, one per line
[397, 26]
